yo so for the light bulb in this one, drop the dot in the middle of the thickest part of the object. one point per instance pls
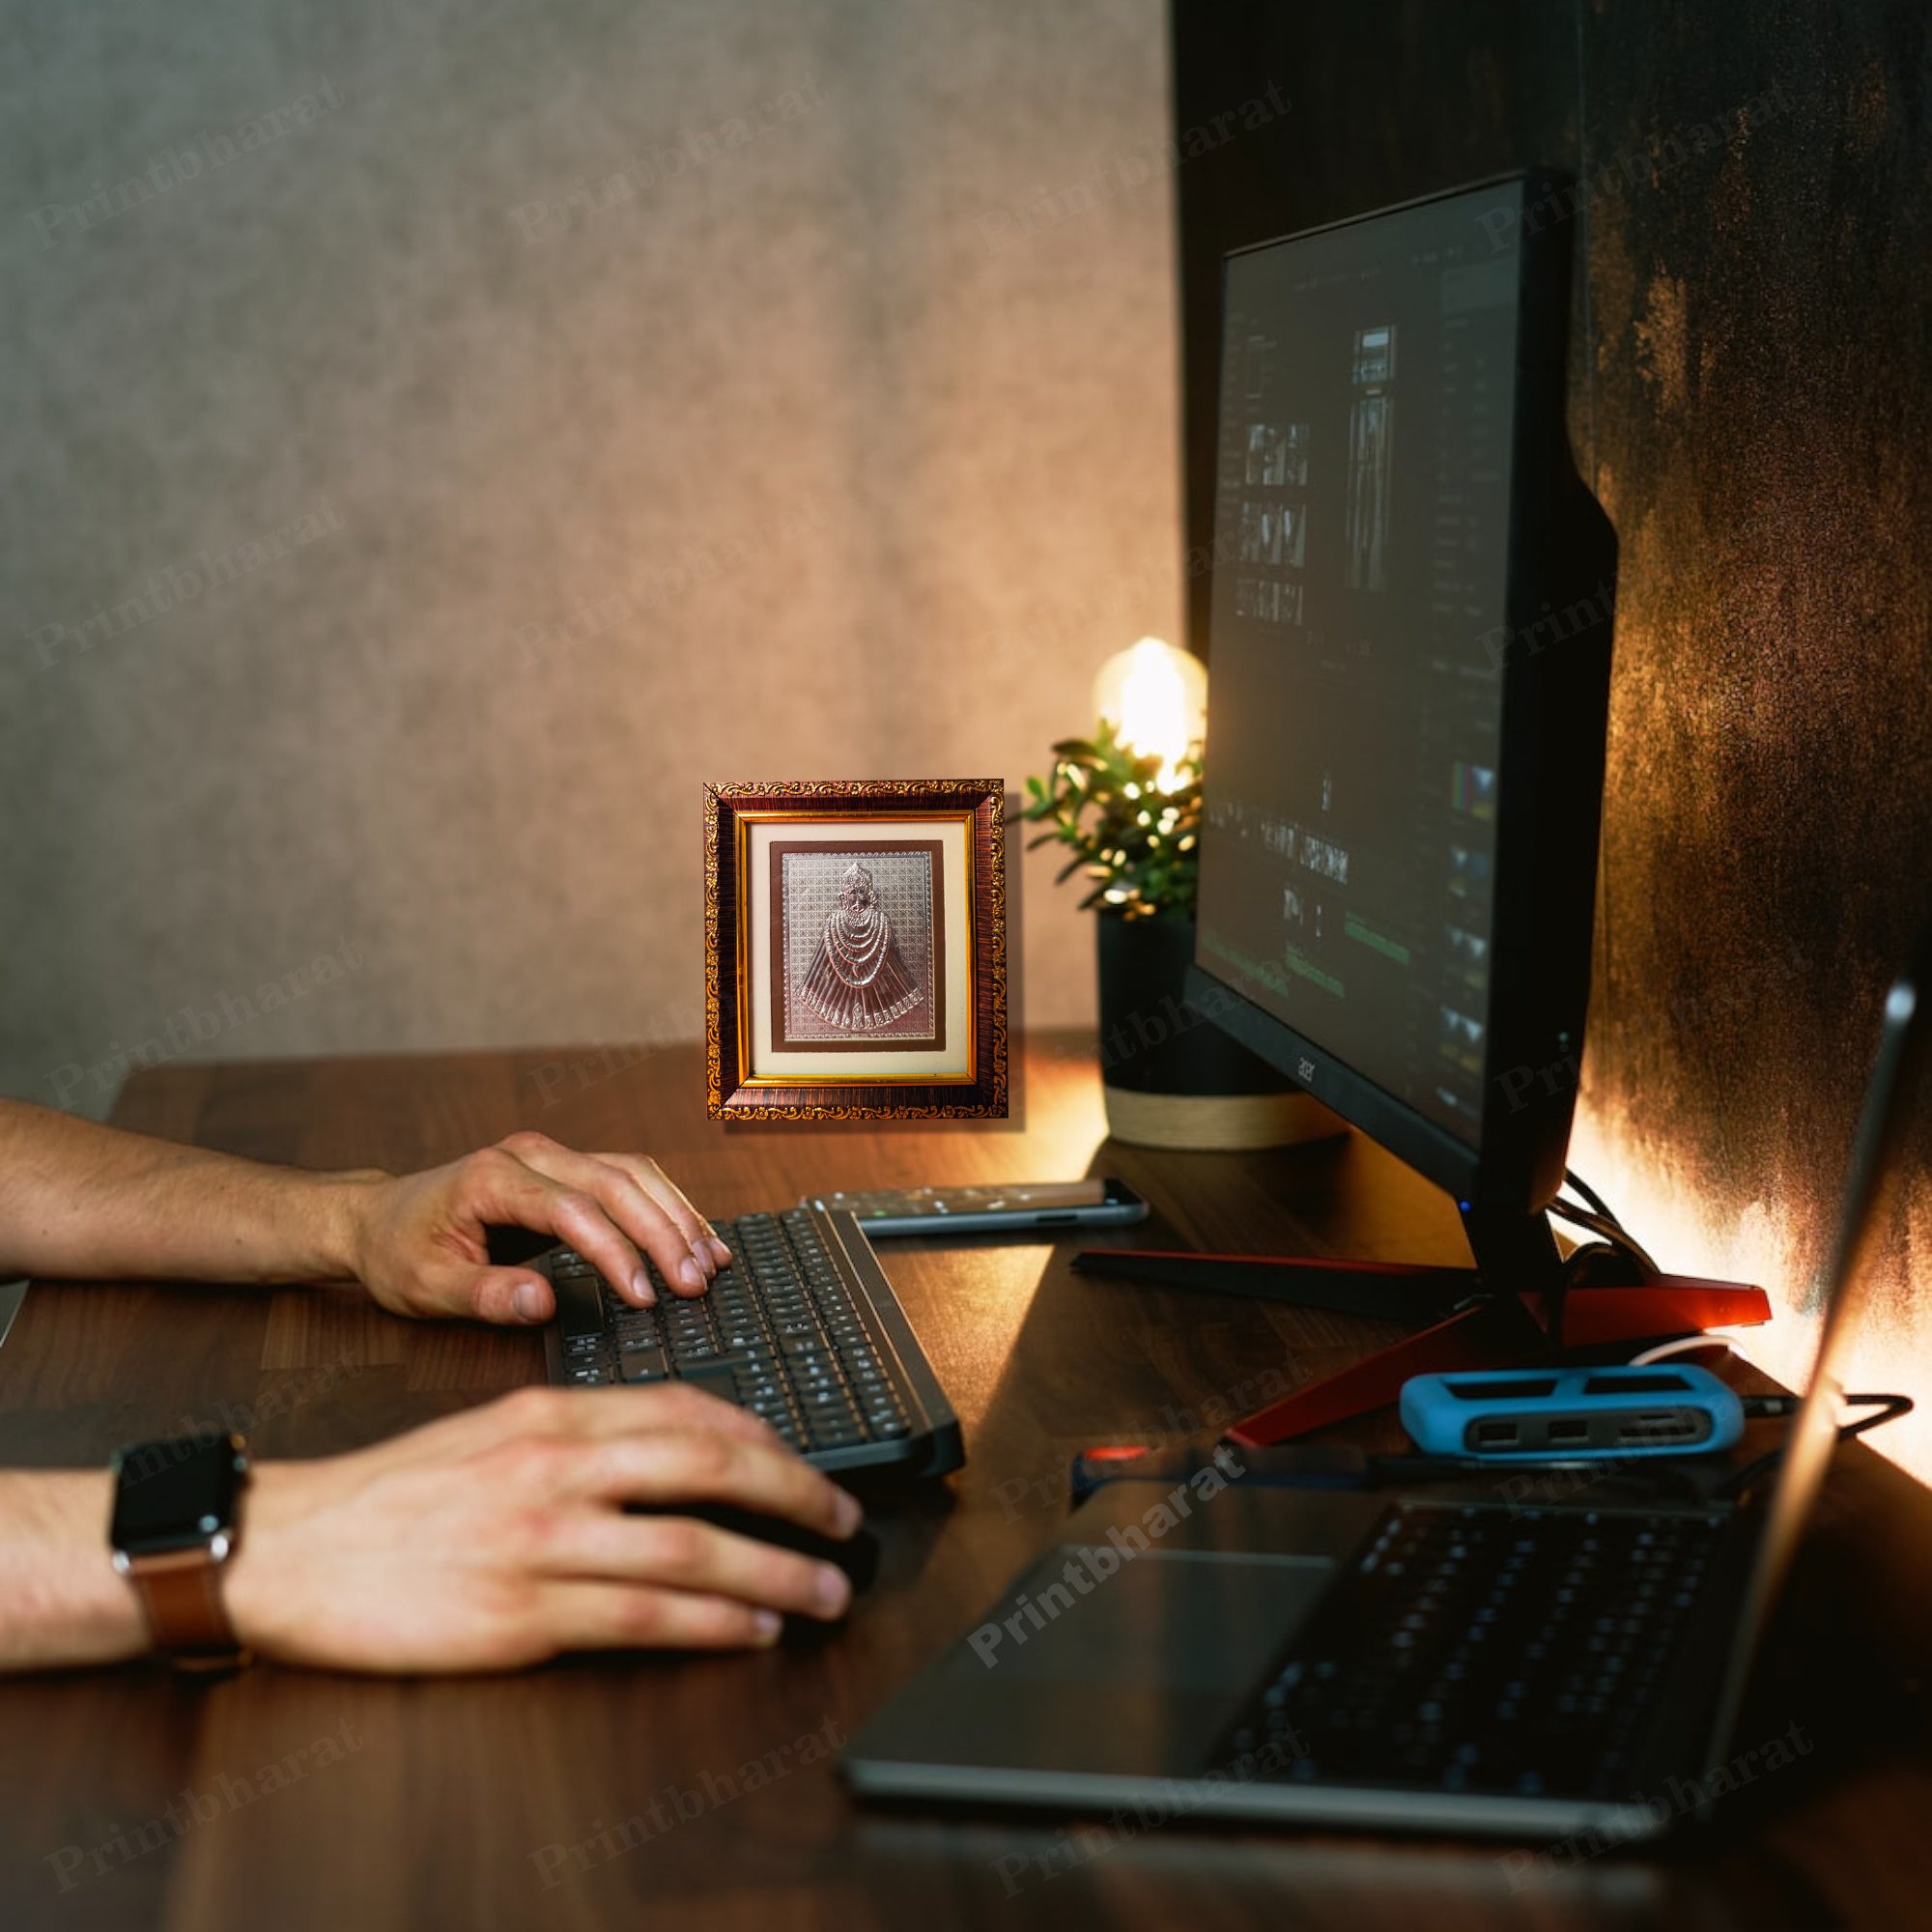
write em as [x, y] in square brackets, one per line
[1155, 698]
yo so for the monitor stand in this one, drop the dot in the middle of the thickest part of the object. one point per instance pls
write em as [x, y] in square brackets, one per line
[1517, 1306]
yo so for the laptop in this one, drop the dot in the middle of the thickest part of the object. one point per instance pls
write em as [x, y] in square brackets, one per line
[1476, 1656]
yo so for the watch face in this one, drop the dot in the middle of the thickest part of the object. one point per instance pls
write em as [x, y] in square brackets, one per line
[176, 1493]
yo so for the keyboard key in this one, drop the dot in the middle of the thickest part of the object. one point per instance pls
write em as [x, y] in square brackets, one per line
[1455, 1652]
[714, 1378]
[782, 1333]
[578, 1310]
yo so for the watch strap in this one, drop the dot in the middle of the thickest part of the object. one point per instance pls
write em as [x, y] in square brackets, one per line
[181, 1595]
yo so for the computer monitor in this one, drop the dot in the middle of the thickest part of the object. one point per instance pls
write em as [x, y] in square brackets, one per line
[1409, 654]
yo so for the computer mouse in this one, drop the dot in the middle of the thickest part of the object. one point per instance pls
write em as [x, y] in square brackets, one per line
[858, 1555]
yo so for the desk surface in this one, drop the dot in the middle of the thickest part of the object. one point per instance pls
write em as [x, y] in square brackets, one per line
[441, 1804]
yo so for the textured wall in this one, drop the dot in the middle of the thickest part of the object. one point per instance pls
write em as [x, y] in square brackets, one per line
[820, 442]
[1753, 400]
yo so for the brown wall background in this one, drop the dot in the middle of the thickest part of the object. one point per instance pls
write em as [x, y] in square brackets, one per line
[1752, 400]
[815, 458]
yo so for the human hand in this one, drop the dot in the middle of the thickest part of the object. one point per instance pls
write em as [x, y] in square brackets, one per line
[416, 1241]
[496, 1538]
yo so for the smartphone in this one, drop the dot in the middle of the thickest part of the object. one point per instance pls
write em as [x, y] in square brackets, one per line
[983, 1210]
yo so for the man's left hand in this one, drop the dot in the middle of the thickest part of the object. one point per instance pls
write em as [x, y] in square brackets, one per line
[417, 1240]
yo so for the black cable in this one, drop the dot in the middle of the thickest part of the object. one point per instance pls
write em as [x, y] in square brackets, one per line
[1602, 1222]
[1736, 1486]
[1591, 1196]
[1608, 1229]
[1886, 1408]
[1890, 1409]
[1601, 1219]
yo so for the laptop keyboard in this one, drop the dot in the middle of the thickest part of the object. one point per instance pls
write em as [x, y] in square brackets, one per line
[1486, 1650]
[780, 1333]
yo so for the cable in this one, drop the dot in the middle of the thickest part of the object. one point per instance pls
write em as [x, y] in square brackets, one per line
[1886, 1407]
[1609, 1231]
[1591, 1196]
[1601, 1219]
[1760, 1407]
[1889, 1407]
[1682, 1345]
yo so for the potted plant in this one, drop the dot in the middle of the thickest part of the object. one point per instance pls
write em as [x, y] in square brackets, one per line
[1127, 802]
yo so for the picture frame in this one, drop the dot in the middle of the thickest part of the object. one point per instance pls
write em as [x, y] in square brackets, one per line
[855, 950]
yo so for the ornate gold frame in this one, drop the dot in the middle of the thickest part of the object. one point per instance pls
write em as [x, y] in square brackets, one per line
[733, 1091]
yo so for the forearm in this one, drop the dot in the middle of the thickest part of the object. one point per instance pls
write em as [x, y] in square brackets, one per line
[92, 1203]
[61, 1602]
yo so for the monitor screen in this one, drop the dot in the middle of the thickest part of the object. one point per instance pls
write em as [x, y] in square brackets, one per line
[1361, 547]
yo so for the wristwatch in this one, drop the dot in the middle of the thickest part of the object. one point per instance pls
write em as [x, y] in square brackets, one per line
[176, 1504]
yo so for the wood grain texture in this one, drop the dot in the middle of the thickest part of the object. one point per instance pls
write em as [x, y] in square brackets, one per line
[447, 1798]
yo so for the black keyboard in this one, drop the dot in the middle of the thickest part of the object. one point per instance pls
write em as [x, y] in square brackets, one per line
[802, 1329]
[1486, 1650]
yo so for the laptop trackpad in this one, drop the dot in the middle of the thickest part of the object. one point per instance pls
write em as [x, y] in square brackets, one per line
[1139, 1675]
[1192, 1620]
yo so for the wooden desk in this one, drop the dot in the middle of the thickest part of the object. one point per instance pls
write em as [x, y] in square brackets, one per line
[443, 1810]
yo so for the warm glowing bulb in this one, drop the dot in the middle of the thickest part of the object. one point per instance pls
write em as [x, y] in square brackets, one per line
[1156, 700]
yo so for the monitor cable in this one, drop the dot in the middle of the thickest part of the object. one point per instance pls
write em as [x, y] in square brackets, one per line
[1572, 1178]
[1613, 1240]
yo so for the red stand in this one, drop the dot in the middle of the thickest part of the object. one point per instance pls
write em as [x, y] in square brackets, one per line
[1489, 1336]
[1498, 1332]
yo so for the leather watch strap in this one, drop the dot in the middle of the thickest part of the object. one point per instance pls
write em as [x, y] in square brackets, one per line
[181, 1595]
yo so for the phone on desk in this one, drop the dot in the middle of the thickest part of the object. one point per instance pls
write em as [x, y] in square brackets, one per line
[985, 1210]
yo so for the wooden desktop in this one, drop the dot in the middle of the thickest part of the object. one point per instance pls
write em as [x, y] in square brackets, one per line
[288, 1799]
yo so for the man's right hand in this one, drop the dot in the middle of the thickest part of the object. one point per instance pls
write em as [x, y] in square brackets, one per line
[497, 1538]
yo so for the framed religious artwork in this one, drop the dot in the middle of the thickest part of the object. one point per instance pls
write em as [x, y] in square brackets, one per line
[855, 950]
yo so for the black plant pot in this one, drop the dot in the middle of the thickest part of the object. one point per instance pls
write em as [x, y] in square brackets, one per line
[1170, 1077]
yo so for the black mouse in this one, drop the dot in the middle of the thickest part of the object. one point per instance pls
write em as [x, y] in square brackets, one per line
[858, 1555]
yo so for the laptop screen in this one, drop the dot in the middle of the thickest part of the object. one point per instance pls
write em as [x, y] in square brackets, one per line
[1896, 1086]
